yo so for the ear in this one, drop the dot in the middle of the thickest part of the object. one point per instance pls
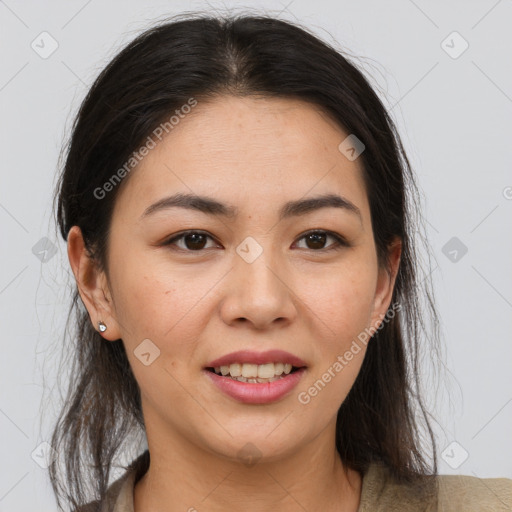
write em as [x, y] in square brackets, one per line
[386, 283]
[92, 285]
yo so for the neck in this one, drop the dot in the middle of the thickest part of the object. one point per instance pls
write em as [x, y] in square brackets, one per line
[184, 477]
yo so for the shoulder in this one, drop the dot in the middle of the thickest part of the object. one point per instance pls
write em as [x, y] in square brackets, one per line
[119, 495]
[464, 492]
[441, 493]
[381, 491]
[118, 491]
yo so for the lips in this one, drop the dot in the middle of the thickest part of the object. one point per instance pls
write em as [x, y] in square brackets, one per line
[251, 357]
[288, 369]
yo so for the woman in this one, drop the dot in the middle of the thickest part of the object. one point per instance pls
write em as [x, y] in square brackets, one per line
[237, 208]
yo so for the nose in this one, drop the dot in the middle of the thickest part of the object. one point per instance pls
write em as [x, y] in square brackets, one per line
[259, 293]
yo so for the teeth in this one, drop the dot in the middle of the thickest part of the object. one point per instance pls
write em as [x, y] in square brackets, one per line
[235, 370]
[265, 371]
[248, 372]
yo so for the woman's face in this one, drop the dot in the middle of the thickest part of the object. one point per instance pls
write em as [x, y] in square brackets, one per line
[254, 279]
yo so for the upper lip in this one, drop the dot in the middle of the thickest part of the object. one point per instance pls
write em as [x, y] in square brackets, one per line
[251, 357]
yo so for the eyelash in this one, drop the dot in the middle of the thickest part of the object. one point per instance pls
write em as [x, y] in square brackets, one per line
[340, 242]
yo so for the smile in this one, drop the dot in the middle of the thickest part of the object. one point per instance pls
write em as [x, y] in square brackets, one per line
[256, 390]
[254, 373]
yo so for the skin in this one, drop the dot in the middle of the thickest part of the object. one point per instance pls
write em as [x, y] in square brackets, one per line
[195, 306]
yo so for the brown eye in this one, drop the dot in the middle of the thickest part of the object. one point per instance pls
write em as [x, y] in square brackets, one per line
[316, 240]
[195, 241]
[189, 241]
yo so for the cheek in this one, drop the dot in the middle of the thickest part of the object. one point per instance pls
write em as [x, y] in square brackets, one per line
[156, 300]
[342, 302]
[343, 309]
[161, 306]
[351, 306]
[171, 309]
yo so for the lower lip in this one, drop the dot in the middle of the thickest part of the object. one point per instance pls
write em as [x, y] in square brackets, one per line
[257, 393]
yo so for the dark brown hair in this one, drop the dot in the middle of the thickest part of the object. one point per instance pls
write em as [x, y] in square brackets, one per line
[204, 57]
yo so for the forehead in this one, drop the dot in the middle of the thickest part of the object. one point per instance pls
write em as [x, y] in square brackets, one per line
[252, 150]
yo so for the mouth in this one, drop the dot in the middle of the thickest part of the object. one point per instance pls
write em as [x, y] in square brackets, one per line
[256, 390]
[255, 373]
[256, 377]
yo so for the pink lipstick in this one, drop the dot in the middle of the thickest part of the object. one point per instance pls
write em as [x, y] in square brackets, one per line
[256, 377]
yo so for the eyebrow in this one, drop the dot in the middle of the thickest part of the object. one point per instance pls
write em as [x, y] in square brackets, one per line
[210, 206]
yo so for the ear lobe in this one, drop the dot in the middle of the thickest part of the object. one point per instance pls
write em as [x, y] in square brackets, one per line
[386, 283]
[92, 285]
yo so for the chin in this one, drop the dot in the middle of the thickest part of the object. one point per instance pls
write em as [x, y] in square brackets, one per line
[249, 447]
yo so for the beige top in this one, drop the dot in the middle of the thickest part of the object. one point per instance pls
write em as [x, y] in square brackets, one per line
[379, 493]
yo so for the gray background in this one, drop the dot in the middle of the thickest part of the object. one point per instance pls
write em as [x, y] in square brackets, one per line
[453, 111]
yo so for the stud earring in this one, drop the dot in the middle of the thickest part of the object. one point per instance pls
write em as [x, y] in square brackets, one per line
[102, 327]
